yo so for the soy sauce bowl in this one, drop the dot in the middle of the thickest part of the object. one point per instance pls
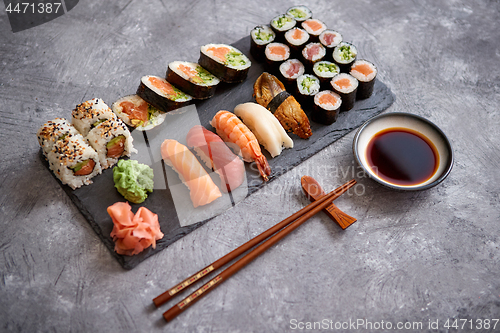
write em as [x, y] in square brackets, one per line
[413, 123]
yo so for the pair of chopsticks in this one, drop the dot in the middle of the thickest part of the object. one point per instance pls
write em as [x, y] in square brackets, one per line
[268, 238]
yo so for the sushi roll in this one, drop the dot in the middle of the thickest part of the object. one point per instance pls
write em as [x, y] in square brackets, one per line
[225, 61]
[345, 85]
[111, 139]
[312, 53]
[329, 39]
[326, 107]
[290, 70]
[137, 113]
[276, 53]
[53, 131]
[307, 86]
[365, 72]
[73, 161]
[299, 13]
[261, 35]
[192, 78]
[281, 24]
[89, 114]
[325, 70]
[344, 55]
[162, 94]
[314, 28]
[296, 38]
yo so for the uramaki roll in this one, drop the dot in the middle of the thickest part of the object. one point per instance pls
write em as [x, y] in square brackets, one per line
[192, 79]
[52, 131]
[365, 72]
[326, 107]
[345, 85]
[260, 36]
[225, 61]
[89, 114]
[162, 94]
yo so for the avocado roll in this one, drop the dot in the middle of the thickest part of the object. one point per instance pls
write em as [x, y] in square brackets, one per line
[276, 53]
[225, 61]
[296, 38]
[314, 28]
[325, 70]
[89, 114]
[345, 85]
[161, 94]
[344, 55]
[281, 24]
[192, 79]
[312, 53]
[307, 86]
[365, 72]
[53, 131]
[326, 107]
[261, 35]
[290, 70]
[299, 13]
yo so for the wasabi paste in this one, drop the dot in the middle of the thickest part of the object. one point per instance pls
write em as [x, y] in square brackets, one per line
[133, 180]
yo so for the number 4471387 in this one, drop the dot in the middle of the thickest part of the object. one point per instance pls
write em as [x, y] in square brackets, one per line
[40, 8]
[472, 324]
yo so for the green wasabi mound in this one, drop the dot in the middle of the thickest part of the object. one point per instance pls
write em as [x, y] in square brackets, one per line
[133, 180]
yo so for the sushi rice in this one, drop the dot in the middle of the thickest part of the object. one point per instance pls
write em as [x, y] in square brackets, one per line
[88, 114]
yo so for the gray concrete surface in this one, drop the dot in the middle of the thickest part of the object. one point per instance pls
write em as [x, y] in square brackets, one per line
[412, 257]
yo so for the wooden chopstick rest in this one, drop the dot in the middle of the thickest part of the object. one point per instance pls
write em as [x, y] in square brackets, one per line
[313, 190]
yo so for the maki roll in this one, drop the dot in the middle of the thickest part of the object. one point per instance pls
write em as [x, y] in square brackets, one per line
[261, 35]
[345, 85]
[53, 131]
[329, 39]
[290, 70]
[312, 53]
[192, 79]
[73, 161]
[89, 114]
[161, 94]
[299, 13]
[276, 53]
[307, 86]
[325, 70]
[137, 113]
[296, 38]
[281, 24]
[111, 139]
[365, 72]
[326, 107]
[344, 55]
[314, 28]
[225, 61]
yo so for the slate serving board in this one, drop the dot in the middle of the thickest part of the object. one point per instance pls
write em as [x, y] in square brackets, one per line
[170, 198]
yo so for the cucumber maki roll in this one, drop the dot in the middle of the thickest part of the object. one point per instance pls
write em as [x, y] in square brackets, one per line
[162, 94]
[299, 13]
[344, 55]
[281, 24]
[89, 114]
[192, 79]
[137, 113]
[225, 61]
[365, 72]
[326, 107]
[307, 86]
[261, 35]
[325, 71]
[345, 85]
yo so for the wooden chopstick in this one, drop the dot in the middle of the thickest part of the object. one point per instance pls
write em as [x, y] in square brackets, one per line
[293, 222]
[167, 295]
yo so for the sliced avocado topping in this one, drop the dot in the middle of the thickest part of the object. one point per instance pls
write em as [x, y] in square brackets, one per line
[115, 140]
[80, 165]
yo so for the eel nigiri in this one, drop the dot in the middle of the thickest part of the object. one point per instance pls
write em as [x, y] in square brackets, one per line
[231, 129]
[202, 189]
[271, 94]
[216, 155]
[265, 126]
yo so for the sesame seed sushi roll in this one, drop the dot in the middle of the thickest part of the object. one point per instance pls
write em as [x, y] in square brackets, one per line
[330, 39]
[192, 79]
[162, 94]
[345, 85]
[281, 24]
[89, 114]
[276, 53]
[137, 113]
[290, 70]
[326, 107]
[261, 35]
[307, 86]
[344, 55]
[111, 139]
[312, 53]
[296, 39]
[299, 13]
[52, 131]
[325, 71]
[314, 28]
[73, 161]
[225, 61]
[365, 72]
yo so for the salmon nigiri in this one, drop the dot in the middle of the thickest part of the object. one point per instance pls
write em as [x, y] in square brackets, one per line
[231, 129]
[202, 189]
[217, 156]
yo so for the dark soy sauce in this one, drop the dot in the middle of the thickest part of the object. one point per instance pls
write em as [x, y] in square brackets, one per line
[402, 156]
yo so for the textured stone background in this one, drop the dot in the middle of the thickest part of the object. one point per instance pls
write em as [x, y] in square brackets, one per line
[414, 256]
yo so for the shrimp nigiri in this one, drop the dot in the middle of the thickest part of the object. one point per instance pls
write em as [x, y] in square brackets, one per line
[231, 129]
[202, 189]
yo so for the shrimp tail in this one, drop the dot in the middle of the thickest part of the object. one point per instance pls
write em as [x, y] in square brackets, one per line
[263, 166]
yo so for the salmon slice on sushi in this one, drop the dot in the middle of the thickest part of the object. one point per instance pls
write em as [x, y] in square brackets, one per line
[225, 61]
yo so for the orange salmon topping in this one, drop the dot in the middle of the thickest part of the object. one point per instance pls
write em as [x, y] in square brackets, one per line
[278, 50]
[191, 73]
[219, 52]
[117, 149]
[162, 85]
[364, 69]
[297, 34]
[135, 112]
[86, 169]
[327, 99]
[343, 83]
[314, 25]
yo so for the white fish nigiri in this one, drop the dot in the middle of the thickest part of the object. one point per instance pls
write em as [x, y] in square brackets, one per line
[265, 126]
